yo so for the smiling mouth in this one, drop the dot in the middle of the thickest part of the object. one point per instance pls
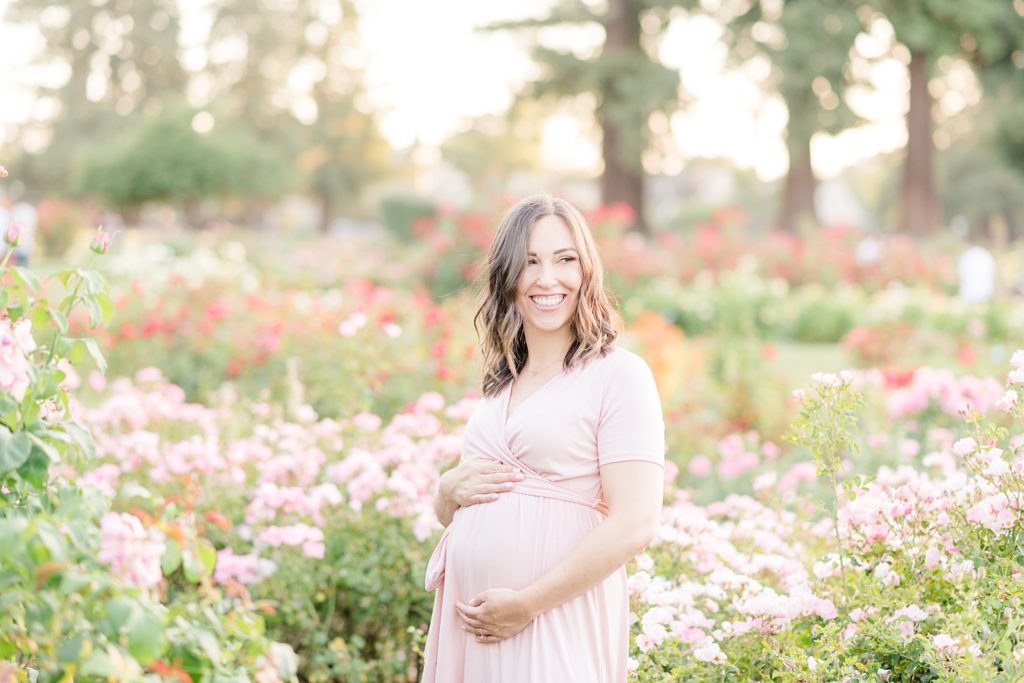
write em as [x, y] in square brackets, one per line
[548, 302]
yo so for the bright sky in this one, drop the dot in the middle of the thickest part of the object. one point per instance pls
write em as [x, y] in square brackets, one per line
[431, 70]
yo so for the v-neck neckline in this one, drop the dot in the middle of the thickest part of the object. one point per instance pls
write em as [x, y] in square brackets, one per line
[506, 417]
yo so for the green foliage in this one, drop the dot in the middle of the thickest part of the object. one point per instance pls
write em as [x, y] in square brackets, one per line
[66, 615]
[399, 213]
[827, 425]
[360, 614]
[164, 159]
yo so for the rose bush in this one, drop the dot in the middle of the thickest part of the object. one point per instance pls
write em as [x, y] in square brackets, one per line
[327, 524]
[84, 594]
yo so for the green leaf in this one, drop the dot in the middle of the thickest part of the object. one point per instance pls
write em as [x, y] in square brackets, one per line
[171, 559]
[75, 352]
[36, 470]
[71, 649]
[64, 346]
[71, 582]
[111, 664]
[81, 437]
[7, 404]
[207, 555]
[26, 277]
[40, 315]
[3, 299]
[107, 306]
[120, 611]
[64, 275]
[94, 350]
[14, 450]
[38, 441]
[59, 320]
[93, 281]
[145, 636]
[210, 645]
[95, 312]
[192, 566]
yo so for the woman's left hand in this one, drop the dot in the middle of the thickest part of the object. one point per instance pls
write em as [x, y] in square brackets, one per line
[494, 615]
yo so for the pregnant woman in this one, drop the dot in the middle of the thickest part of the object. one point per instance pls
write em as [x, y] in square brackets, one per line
[561, 477]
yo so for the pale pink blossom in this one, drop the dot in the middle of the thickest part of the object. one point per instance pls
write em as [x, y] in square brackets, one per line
[994, 513]
[709, 652]
[149, 375]
[352, 324]
[132, 552]
[965, 447]
[911, 612]
[699, 466]
[909, 448]
[944, 641]
[14, 234]
[366, 422]
[15, 343]
[1008, 402]
[247, 569]
[430, 402]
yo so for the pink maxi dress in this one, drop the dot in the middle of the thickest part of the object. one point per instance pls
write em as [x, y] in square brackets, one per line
[605, 411]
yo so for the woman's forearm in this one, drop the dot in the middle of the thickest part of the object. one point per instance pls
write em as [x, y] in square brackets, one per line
[607, 547]
[444, 508]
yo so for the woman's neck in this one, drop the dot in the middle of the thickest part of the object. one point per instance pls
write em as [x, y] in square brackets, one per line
[546, 349]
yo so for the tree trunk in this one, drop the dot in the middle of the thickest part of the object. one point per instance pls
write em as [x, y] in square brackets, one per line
[1012, 228]
[798, 194]
[623, 177]
[919, 207]
[326, 207]
[620, 182]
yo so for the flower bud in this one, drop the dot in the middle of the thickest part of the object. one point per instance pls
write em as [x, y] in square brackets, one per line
[3, 172]
[14, 234]
[100, 242]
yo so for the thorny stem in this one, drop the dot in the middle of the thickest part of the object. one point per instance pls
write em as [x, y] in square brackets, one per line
[835, 524]
[67, 311]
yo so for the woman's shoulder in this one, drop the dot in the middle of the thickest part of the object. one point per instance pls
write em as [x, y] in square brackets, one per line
[618, 359]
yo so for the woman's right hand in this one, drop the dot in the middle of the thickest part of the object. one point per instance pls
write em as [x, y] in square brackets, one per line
[478, 480]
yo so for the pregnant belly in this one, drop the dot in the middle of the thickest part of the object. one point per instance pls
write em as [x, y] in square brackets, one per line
[514, 540]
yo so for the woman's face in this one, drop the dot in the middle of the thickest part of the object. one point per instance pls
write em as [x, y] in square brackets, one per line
[549, 286]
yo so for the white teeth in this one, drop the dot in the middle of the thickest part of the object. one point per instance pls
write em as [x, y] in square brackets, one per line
[548, 301]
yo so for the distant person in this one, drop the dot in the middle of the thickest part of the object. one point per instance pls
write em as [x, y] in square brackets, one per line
[26, 214]
[561, 477]
[869, 250]
[977, 272]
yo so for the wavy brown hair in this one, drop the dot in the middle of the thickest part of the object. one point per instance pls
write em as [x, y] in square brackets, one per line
[498, 323]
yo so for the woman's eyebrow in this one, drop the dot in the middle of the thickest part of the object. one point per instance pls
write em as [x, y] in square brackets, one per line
[557, 251]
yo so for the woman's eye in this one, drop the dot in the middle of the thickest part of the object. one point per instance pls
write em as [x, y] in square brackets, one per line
[567, 259]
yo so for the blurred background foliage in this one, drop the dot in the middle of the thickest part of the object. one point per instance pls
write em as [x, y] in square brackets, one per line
[268, 105]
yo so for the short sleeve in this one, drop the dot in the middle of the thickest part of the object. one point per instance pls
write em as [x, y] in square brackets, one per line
[631, 425]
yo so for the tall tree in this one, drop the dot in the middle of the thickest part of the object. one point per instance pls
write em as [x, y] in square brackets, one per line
[253, 46]
[324, 119]
[119, 58]
[931, 29]
[346, 150]
[494, 146]
[626, 79]
[808, 44]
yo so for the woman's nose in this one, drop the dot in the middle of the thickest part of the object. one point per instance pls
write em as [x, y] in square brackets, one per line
[547, 275]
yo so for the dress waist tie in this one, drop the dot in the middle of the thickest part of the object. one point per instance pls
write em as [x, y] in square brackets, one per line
[532, 484]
